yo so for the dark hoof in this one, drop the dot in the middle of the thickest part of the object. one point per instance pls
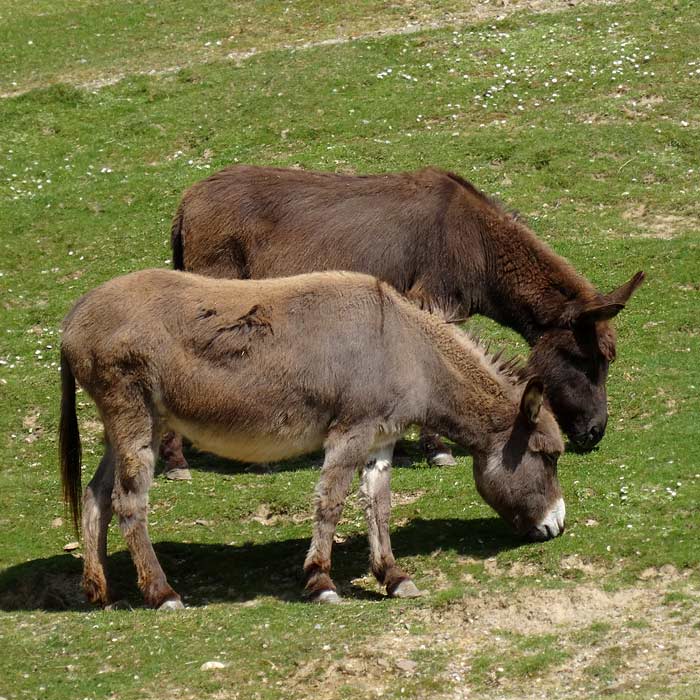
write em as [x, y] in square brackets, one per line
[119, 605]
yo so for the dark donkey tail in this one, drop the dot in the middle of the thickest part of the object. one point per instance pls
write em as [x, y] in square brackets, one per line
[69, 443]
[176, 242]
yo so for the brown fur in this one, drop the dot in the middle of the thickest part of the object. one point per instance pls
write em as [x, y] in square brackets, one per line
[434, 237]
[259, 370]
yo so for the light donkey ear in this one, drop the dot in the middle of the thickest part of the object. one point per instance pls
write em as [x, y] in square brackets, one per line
[531, 402]
[610, 304]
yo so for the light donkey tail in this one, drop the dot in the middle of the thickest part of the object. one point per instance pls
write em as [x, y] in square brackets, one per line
[176, 241]
[69, 443]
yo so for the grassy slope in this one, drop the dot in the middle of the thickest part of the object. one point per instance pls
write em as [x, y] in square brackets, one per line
[99, 39]
[603, 162]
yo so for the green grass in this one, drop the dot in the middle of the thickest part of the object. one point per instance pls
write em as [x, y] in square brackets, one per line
[100, 40]
[604, 165]
[527, 657]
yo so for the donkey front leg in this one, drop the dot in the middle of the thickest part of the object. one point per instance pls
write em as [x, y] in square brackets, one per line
[344, 453]
[135, 441]
[375, 496]
[97, 513]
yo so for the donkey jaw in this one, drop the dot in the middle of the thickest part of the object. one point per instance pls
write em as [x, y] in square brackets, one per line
[552, 525]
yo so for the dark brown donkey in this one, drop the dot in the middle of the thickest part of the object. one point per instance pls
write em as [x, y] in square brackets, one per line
[431, 235]
[265, 370]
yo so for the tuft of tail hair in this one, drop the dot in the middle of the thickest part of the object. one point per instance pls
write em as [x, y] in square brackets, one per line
[69, 444]
[176, 242]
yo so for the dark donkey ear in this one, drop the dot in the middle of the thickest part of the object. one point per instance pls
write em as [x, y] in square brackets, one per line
[611, 304]
[622, 294]
[531, 402]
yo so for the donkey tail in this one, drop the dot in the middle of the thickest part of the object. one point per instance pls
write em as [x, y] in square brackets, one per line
[176, 241]
[69, 443]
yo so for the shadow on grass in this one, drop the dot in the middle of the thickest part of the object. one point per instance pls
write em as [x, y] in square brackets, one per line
[209, 573]
[406, 455]
[573, 448]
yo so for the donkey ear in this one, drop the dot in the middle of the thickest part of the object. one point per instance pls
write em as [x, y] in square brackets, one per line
[599, 312]
[531, 403]
[622, 294]
[611, 304]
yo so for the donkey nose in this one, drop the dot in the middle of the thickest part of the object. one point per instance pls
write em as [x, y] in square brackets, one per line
[552, 525]
[595, 434]
[590, 438]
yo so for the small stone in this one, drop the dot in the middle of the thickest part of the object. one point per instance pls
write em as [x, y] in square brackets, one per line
[491, 566]
[352, 667]
[57, 522]
[71, 546]
[212, 666]
[405, 665]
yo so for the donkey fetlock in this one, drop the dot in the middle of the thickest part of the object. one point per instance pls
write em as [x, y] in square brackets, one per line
[319, 585]
[96, 589]
[397, 582]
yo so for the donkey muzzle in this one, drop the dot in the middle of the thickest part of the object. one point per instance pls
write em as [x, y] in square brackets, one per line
[552, 525]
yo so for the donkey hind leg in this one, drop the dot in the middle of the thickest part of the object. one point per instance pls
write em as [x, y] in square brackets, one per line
[375, 496]
[176, 467]
[436, 451]
[97, 514]
[135, 442]
[344, 454]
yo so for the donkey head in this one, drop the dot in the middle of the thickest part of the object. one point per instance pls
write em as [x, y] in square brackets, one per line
[574, 362]
[517, 474]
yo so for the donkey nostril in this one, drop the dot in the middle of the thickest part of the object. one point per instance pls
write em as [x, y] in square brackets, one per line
[594, 434]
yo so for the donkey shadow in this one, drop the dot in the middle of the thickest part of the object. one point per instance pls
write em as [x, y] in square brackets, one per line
[211, 573]
[407, 455]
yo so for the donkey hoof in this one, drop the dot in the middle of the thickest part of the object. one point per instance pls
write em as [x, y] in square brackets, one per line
[179, 474]
[327, 597]
[442, 459]
[119, 605]
[406, 589]
[172, 604]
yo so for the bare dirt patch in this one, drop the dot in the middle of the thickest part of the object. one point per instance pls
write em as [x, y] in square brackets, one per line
[264, 515]
[31, 424]
[611, 642]
[653, 225]
[404, 498]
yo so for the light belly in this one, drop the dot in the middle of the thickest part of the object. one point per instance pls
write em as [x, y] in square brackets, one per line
[249, 448]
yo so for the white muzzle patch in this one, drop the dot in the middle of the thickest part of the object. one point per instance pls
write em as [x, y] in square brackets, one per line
[553, 523]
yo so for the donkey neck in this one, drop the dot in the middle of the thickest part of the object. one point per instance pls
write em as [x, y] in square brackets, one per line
[468, 397]
[528, 287]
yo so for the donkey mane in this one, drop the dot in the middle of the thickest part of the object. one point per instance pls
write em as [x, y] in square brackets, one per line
[490, 201]
[513, 369]
[510, 370]
[465, 352]
[493, 202]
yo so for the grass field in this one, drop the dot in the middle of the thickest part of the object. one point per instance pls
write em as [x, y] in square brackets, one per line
[586, 119]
